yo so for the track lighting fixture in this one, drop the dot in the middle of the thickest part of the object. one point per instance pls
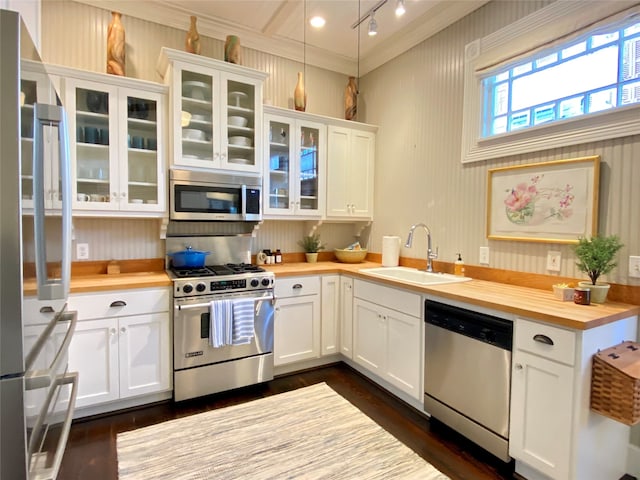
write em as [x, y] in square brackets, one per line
[373, 26]
[400, 8]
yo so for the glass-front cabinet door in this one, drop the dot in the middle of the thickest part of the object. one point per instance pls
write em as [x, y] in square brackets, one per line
[241, 124]
[93, 116]
[36, 86]
[116, 147]
[198, 144]
[140, 176]
[295, 167]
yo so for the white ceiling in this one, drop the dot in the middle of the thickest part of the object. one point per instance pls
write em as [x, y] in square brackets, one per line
[278, 26]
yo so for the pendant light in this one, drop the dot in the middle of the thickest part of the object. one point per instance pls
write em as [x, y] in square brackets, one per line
[373, 25]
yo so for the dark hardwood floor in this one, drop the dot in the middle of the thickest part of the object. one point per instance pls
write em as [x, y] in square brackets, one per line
[91, 449]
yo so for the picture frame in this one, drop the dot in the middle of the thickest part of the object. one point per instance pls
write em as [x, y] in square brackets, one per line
[551, 202]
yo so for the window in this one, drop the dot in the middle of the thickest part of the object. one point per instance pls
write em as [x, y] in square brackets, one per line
[581, 78]
[558, 77]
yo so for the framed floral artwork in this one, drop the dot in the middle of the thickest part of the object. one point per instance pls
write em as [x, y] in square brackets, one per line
[553, 202]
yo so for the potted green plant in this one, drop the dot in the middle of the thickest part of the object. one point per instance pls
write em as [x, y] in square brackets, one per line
[596, 257]
[311, 245]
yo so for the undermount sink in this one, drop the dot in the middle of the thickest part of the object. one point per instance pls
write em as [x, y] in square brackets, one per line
[412, 275]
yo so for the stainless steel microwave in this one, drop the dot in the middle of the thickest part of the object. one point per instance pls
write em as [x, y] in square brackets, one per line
[200, 195]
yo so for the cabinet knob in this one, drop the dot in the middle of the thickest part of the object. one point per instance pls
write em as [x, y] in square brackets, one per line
[123, 329]
[113, 332]
[123, 194]
[518, 366]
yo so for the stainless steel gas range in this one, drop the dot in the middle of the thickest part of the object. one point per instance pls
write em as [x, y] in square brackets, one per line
[222, 326]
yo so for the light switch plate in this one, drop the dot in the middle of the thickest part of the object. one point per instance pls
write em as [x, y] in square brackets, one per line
[82, 251]
[484, 256]
[553, 261]
[634, 266]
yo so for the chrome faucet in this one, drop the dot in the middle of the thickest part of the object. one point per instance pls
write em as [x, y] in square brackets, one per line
[430, 254]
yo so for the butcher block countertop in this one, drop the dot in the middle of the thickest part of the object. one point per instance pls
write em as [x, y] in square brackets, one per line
[532, 303]
[105, 282]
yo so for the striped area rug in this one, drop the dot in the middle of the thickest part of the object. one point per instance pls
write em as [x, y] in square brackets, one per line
[309, 433]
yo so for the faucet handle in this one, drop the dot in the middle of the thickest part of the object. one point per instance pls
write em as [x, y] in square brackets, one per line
[434, 255]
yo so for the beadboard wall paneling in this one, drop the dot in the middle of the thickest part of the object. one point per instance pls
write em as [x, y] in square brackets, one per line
[416, 99]
[118, 239]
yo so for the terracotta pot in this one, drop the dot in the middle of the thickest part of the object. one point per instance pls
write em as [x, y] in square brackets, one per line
[598, 291]
[311, 257]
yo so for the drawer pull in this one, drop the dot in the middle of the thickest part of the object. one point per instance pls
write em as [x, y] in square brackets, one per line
[46, 309]
[118, 303]
[542, 339]
[297, 286]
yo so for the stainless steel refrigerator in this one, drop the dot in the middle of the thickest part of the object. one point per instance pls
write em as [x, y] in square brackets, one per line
[37, 393]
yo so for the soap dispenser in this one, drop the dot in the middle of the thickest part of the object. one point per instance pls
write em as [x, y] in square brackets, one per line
[458, 266]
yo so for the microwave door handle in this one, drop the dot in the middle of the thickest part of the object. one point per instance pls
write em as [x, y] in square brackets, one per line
[44, 114]
[244, 202]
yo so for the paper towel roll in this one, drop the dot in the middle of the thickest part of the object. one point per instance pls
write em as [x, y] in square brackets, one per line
[390, 251]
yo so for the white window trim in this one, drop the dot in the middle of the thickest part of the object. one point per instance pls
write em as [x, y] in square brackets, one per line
[544, 25]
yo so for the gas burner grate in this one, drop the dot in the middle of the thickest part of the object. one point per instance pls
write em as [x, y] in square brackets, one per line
[244, 267]
[192, 272]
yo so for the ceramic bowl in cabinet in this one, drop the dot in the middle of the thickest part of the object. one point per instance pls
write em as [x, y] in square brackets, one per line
[193, 134]
[196, 90]
[242, 141]
[238, 121]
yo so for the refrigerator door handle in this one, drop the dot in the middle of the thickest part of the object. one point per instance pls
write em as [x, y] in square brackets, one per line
[44, 378]
[44, 114]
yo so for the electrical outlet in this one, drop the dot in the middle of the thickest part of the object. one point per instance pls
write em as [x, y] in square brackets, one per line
[484, 255]
[82, 251]
[553, 261]
[634, 266]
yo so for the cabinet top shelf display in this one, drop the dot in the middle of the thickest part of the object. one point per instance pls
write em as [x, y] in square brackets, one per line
[168, 55]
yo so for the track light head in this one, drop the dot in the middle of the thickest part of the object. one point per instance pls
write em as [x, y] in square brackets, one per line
[373, 26]
[400, 8]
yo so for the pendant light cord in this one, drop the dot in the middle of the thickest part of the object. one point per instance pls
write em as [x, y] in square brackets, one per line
[358, 68]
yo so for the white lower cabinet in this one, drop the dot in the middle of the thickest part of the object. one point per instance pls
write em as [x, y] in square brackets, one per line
[542, 397]
[387, 335]
[553, 434]
[297, 320]
[122, 345]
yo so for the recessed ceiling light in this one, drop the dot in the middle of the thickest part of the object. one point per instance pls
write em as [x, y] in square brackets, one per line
[400, 8]
[317, 22]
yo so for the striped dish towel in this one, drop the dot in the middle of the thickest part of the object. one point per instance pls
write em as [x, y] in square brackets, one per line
[243, 315]
[220, 323]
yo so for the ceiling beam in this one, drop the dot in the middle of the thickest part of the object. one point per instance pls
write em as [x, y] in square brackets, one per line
[284, 12]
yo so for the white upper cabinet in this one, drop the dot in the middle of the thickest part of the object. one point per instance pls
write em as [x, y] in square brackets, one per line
[350, 164]
[117, 132]
[295, 168]
[215, 112]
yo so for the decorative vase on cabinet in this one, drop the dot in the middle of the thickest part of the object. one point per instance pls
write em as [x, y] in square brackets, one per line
[115, 46]
[299, 95]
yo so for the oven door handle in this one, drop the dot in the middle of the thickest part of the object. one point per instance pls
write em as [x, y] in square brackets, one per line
[206, 305]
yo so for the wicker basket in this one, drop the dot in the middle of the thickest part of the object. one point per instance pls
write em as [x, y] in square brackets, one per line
[615, 383]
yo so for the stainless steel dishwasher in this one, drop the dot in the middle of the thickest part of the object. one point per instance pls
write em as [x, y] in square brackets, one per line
[467, 374]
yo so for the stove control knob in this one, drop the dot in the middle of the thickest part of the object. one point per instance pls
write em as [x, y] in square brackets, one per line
[187, 288]
[254, 282]
[266, 282]
[201, 287]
